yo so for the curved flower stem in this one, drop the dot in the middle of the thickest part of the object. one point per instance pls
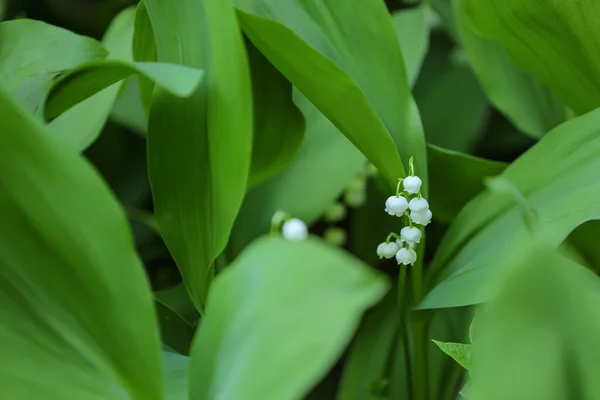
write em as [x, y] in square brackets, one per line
[398, 186]
[392, 235]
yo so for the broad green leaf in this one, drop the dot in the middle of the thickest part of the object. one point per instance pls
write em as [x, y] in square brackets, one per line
[449, 170]
[80, 126]
[452, 105]
[175, 370]
[76, 310]
[557, 177]
[540, 337]
[522, 98]
[199, 148]
[288, 307]
[88, 79]
[413, 35]
[345, 58]
[366, 365]
[555, 41]
[460, 352]
[33, 53]
[278, 123]
[144, 49]
[324, 166]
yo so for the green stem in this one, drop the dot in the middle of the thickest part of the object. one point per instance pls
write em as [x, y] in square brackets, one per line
[402, 309]
[419, 335]
[392, 235]
[398, 187]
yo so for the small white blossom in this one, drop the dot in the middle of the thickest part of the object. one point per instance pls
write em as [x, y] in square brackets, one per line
[396, 205]
[406, 256]
[412, 184]
[387, 250]
[295, 230]
[421, 218]
[401, 243]
[418, 205]
[411, 234]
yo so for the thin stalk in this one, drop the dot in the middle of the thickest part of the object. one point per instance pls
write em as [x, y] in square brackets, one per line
[419, 335]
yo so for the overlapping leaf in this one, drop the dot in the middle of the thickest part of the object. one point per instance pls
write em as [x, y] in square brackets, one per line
[88, 79]
[539, 339]
[288, 307]
[521, 97]
[76, 311]
[199, 148]
[344, 56]
[556, 41]
[33, 53]
[557, 177]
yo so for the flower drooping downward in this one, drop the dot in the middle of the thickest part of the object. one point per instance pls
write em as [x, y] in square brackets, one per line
[410, 205]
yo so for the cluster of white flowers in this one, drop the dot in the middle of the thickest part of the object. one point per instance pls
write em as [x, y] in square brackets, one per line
[410, 205]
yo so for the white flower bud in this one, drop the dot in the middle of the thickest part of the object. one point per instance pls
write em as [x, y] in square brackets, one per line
[387, 250]
[396, 205]
[412, 184]
[418, 205]
[411, 234]
[406, 256]
[294, 230]
[421, 218]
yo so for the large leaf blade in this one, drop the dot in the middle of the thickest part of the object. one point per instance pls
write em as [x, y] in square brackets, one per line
[555, 41]
[33, 53]
[199, 148]
[522, 98]
[557, 179]
[292, 307]
[89, 79]
[368, 100]
[75, 301]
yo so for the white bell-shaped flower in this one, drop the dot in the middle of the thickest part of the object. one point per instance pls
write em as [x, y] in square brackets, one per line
[396, 205]
[387, 250]
[406, 256]
[421, 218]
[411, 234]
[418, 205]
[412, 184]
[294, 230]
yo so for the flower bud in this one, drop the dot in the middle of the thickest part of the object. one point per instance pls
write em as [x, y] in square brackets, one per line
[418, 205]
[421, 218]
[412, 184]
[411, 234]
[406, 256]
[387, 250]
[396, 205]
[295, 230]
